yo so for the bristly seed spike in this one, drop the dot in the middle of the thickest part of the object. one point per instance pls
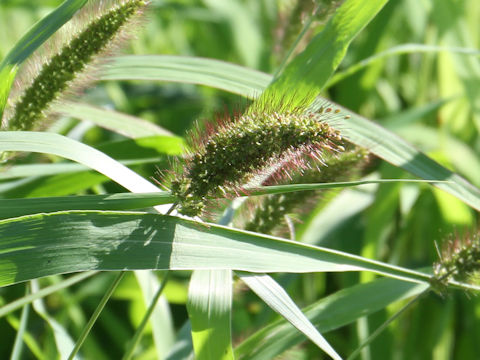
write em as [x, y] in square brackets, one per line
[59, 72]
[248, 149]
[458, 260]
[270, 213]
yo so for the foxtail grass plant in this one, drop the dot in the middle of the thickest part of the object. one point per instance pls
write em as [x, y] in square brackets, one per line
[256, 167]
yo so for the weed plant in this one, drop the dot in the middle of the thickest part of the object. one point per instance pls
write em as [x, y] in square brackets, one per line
[193, 179]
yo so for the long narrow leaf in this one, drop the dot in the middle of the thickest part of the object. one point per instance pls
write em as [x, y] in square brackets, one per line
[124, 124]
[398, 152]
[18, 207]
[399, 50]
[18, 344]
[287, 188]
[277, 298]
[128, 201]
[332, 312]
[70, 149]
[303, 78]
[161, 318]
[44, 244]
[28, 170]
[209, 309]
[183, 348]
[191, 70]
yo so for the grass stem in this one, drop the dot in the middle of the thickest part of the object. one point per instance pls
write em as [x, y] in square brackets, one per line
[382, 327]
[138, 334]
[88, 327]
[18, 344]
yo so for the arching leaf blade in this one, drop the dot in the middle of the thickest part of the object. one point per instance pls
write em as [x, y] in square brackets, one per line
[93, 240]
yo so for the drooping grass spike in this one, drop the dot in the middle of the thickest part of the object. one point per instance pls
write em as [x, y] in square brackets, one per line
[248, 149]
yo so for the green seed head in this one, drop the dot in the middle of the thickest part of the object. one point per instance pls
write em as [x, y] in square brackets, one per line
[57, 73]
[459, 260]
[271, 212]
[249, 149]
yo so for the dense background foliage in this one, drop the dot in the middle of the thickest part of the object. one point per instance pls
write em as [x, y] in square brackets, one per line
[429, 95]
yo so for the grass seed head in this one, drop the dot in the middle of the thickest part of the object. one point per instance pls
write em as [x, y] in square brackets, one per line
[58, 72]
[459, 260]
[247, 150]
[271, 212]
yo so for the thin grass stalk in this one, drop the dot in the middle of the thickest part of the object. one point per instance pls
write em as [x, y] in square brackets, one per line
[382, 327]
[18, 344]
[88, 327]
[138, 333]
[14, 305]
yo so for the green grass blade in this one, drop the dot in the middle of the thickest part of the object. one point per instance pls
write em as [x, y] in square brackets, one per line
[398, 152]
[35, 37]
[161, 319]
[277, 298]
[51, 143]
[124, 201]
[191, 70]
[151, 149]
[70, 149]
[92, 240]
[303, 78]
[287, 188]
[183, 348]
[69, 178]
[332, 312]
[399, 50]
[209, 309]
[461, 156]
[123, 124]
[127, 201]
[29, 170]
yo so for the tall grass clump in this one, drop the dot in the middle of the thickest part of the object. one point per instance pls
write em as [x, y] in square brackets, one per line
[298, 228]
